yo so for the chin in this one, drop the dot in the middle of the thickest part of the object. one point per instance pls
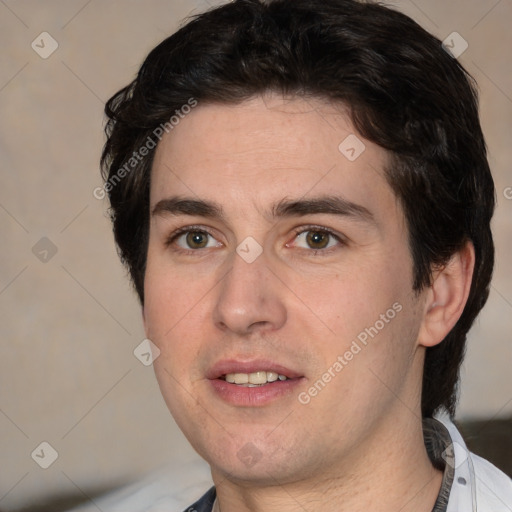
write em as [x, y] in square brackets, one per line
[246, 462]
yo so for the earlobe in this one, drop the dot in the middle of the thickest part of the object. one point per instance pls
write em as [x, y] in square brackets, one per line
[447, 297]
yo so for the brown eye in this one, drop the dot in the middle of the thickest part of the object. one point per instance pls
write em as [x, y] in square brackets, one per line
[317, 239]
[193, 239]
[196, 239]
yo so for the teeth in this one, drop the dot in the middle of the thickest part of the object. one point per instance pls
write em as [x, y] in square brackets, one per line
[253, 379]
[271, 377]
[241, 378]
[257, 378]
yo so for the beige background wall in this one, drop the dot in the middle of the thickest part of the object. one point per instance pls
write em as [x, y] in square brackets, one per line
[69, 325]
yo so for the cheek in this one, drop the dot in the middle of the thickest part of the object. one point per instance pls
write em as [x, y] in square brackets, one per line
[171, 310]
[366, 315]
[348, 301]
[170, 297]
[171, 319]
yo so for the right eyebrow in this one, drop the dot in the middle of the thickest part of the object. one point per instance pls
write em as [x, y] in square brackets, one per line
[181, 206]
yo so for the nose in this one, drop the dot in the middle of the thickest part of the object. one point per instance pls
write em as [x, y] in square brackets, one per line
[250, 298]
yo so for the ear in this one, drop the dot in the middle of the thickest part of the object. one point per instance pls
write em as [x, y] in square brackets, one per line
[447, 297]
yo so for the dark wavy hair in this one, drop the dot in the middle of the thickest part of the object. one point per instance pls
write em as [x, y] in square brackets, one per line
[404, 92]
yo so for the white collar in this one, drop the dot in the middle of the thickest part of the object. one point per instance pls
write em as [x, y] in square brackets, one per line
[478, 486]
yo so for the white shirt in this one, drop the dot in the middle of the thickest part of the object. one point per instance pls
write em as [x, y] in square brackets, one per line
[478, 485]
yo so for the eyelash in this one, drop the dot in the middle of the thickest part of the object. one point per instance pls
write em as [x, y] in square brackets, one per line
[320, 229]
[181, 231]
[298, 231]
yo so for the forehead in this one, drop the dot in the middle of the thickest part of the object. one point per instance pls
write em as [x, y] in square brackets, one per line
[255, 153]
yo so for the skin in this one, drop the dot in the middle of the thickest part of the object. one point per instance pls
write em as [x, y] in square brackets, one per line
[357, 444]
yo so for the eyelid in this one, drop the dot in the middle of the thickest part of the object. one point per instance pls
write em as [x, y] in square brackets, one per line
[341, 239]
[187, 229]
[322, 229]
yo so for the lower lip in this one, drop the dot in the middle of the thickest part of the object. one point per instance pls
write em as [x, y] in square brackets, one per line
[254, 397]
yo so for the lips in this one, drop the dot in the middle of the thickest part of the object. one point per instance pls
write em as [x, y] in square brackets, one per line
[253, 383]
[232, 366]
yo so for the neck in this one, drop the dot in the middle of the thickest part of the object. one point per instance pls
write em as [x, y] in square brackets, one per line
[390, 471]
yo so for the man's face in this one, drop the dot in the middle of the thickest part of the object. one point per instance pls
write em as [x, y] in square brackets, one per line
[274, 249]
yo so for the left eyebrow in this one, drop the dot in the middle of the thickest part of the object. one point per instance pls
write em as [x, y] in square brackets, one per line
[331, 205]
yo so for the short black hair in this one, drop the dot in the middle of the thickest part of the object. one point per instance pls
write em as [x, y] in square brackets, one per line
[403, 91]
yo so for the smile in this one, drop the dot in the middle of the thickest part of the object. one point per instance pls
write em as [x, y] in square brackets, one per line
[254, 379]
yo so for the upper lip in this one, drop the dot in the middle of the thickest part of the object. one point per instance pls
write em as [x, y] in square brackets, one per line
[226, 366]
